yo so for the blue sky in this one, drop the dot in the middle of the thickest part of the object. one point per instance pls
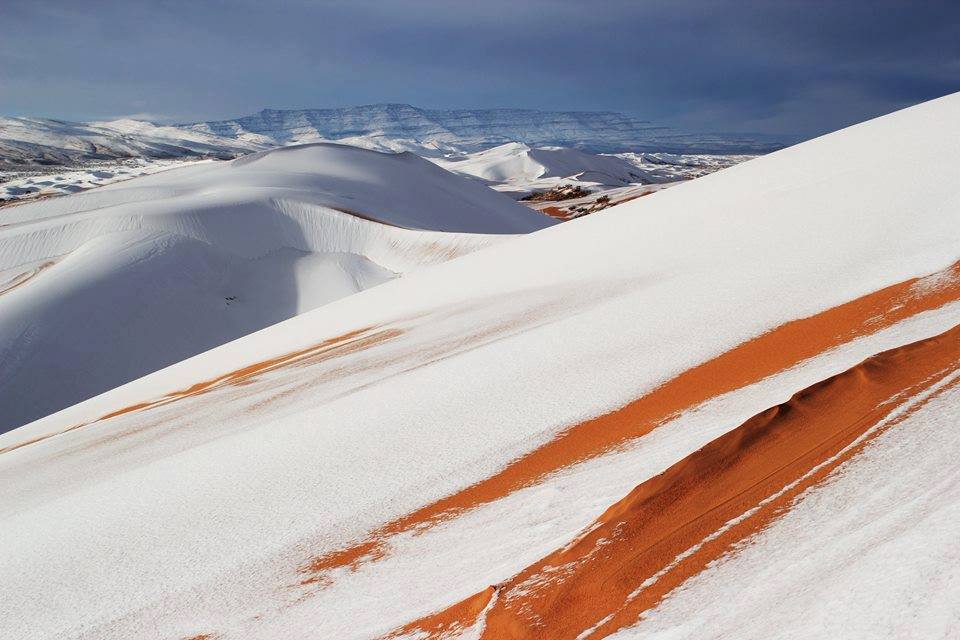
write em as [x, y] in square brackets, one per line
[775, 66]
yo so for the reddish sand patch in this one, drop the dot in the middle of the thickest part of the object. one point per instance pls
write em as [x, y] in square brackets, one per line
[765, 355]
[450, 621]
[339, 346]
[556, 212]
[23, 278]
[568, 210]
[671, 526]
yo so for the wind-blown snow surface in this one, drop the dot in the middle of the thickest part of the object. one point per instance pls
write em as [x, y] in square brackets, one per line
[270, 487]
[99, 288]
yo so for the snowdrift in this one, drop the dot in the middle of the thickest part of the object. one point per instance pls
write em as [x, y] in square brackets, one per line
[102, 287]
[605, 420]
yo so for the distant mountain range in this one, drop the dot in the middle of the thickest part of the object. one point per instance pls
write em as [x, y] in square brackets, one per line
[384, 127]
[475, 129]
[37, 142]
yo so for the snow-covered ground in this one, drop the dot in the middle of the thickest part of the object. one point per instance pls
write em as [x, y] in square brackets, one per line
[375, 461]
[40, 158]
[32, 142]
[514, 168]
[521, 171]
[104, 286]
[670, 167]
[37, 182]
[518, 168]
[27, 143]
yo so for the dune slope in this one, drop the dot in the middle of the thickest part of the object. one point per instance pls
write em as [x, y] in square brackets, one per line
[590, 430]
[103, 287]
[517, 165]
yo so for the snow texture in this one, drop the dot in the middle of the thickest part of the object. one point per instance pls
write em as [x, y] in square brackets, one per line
[195, 517]
[103, 287]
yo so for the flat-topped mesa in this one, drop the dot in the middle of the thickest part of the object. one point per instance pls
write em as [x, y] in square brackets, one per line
[476, 129]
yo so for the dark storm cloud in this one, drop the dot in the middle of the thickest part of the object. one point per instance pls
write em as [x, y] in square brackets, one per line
[777, 65]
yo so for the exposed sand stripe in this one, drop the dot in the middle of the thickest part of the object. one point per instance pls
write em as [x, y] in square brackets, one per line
[754, 360]
[350, 342]
[22, 278]
[341, 345]
[671, 526]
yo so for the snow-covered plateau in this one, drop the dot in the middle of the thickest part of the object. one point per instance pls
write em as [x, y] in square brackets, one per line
[435, 132]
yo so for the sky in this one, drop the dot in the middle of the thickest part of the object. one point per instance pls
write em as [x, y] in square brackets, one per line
[769, 66]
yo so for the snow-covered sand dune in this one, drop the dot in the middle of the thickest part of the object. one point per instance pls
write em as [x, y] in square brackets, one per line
[520, 170]
[590, 430]
[102, 287]
[519, 166]
[41, 157]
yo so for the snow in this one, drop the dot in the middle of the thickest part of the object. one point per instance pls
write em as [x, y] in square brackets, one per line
[451, 561]
[871, 553]
[670, 167]
[519, 170]
[219, 497]
[38, 182]
[223, 248]
[470, 130]
[517, 165]
[26, 142]
[525, 144]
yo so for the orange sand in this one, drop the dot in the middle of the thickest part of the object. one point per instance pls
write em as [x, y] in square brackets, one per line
[602, 576]
[747, 363]
[555, 210]
[347, 343]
